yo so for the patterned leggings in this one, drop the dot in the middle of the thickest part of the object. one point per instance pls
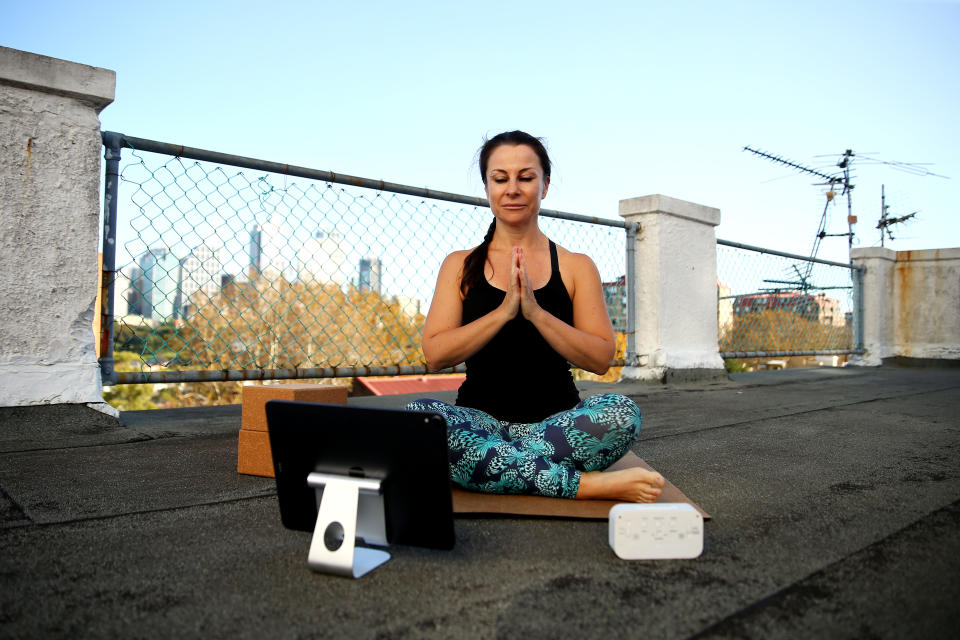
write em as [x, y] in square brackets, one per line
[541, 458]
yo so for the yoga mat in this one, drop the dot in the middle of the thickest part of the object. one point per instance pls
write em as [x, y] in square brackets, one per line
[465, 502]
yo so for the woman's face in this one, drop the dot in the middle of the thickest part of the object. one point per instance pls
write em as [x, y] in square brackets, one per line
[515, 183]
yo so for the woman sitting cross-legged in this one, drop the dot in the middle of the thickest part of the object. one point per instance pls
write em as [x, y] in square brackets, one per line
[518, 309]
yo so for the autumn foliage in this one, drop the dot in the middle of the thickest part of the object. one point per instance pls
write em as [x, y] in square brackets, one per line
[782, 330]
[275, 324]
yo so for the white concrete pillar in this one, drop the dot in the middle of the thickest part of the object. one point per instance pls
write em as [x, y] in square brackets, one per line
[927, 313]
[911, 304]
[676, 289]
[877, 297]
[49, 227]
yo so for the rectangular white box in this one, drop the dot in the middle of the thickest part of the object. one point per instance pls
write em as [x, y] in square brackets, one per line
[656, 531]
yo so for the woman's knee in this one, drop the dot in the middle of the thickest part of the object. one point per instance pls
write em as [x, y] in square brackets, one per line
[631, 408]
[621, 412]
[425, 404]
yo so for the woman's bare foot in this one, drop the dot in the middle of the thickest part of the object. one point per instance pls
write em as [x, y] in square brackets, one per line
[631, 485]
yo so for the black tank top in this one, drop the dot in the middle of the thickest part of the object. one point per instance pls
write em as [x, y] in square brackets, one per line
[517, 376]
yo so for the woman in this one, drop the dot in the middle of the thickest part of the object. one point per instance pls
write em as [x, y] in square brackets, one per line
[518, 309]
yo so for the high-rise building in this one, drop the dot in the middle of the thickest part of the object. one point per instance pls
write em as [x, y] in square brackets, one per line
[254, 250]
[200, 278]
[267, 244]
[133, 291]
[122, 292]
[322, 260]
[370, 272]
[155, 287]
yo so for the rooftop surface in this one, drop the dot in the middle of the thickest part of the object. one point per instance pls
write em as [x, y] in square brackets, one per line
[833, 495]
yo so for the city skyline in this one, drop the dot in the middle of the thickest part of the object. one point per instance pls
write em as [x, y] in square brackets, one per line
[160, 286]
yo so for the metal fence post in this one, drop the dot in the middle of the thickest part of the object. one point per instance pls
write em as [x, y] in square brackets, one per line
[111, 153]
[630, 358]
[858, 307]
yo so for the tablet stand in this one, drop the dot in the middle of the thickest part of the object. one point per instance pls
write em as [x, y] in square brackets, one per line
[333, 548]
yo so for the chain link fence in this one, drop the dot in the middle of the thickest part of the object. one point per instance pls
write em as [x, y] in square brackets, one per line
[775, 304]
[227, 268]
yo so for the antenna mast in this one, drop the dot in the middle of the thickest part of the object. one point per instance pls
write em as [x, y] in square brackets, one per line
[885, 223]
[844, 164]
[831, 180]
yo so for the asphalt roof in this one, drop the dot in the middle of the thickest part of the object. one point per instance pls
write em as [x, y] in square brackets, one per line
[834, 495]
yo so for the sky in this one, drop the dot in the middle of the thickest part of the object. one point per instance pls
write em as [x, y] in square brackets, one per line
[632, 98]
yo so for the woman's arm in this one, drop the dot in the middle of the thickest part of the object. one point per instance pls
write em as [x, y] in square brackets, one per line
[589, 344]
[446, 341]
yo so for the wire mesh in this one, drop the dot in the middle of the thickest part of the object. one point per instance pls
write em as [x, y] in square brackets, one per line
[775, 305]
[221, 269]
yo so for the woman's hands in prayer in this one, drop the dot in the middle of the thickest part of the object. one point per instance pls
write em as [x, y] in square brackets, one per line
[520, 298]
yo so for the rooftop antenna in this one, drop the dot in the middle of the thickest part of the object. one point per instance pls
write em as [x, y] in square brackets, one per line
[885, 221]
[832, 181]
[913, 168]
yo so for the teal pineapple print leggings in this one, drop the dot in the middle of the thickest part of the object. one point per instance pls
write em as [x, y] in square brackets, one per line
[541, 458]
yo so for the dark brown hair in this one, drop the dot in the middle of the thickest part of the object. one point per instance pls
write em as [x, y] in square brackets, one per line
[474, 262]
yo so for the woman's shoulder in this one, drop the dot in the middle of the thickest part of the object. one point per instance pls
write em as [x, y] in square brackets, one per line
[575, 263]
[577, 271]
[451, 270]
[455, 259]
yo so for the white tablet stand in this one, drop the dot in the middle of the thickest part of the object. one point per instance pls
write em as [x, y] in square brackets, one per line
[348, 507]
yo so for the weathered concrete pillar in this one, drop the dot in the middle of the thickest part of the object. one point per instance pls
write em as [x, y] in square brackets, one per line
[676, 289]
[49, 229]
[877, 321]
[911, 304]
[927, 320]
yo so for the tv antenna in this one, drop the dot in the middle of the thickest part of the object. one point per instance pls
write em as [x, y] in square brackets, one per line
[802, 283]
[912, 168]
[840, 179]
[885, 221]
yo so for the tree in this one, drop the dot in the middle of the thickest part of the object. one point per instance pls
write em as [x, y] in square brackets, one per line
[782, 330]
[275, 324]
[270, 323]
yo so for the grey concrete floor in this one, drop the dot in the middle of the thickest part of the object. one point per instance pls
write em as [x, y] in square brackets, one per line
[834, 495]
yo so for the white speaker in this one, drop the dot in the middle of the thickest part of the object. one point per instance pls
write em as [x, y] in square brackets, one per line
[656, 531]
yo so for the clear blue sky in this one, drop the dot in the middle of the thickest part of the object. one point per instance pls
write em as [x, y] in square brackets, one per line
[633, 98]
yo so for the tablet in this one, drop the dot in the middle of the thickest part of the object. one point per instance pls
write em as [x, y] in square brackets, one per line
[405, 450]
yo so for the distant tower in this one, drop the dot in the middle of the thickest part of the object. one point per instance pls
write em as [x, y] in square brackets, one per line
[256, 236]
[157, 285]
[129, 298]
[322, 260]
[370, 272]
[266, 250]
[201, 271]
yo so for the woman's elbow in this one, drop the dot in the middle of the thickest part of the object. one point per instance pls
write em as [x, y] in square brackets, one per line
[432, 360]
[600, 368]
[602, 364]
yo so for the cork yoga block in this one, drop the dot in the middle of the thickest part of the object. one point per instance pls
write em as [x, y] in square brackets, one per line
[253, 453]
[255, 397]
[253, 442]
